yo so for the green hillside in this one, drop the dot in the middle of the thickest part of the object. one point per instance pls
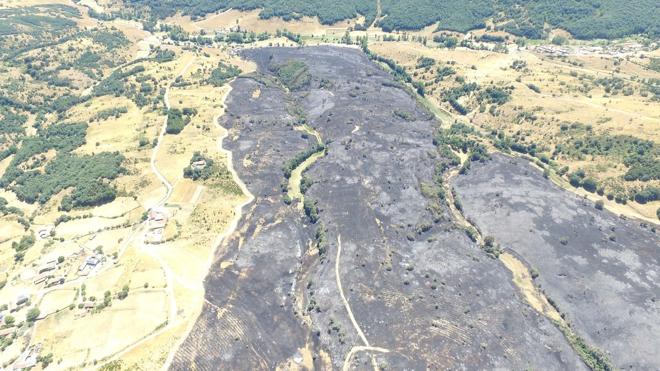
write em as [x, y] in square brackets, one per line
[585, 19]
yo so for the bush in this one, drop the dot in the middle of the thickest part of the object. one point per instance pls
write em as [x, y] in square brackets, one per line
[177, 119]
[311, 210]
[649, 194]
[599, 205]
[425, 62]
[590, 185]
[559, 40]
[575, 180]
[534, 88]
[123, 293]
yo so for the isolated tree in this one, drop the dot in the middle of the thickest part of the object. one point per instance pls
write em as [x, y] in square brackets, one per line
[32, 315]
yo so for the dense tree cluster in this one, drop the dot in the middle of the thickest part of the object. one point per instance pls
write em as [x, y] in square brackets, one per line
[642, 157]
[457, 137]
[223, 73]
[178, 119]
[293, 163]
[35, 178]
[294, 74]
[200, 167]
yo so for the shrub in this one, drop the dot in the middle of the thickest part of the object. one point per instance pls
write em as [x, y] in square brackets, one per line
[559, 40]
[123, 293]
[534, 88]
[575, 180]
[32, 315]
[175, 121]
[648, 194]
[599, 205]
[590, 184]
[425, 62]
[311, 210]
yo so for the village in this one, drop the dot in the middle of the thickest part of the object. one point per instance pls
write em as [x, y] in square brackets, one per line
[24, 298]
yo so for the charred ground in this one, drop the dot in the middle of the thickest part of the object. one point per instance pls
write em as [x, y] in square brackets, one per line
[416, 285]
[600, 270]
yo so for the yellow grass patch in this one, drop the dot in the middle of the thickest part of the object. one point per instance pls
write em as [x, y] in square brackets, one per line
[185, 191]
[250, 21]
[56, 300]
[80, 339]
[523, 280]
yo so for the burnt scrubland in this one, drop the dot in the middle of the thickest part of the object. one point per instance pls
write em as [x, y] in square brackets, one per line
[373, 270]
[599, 270]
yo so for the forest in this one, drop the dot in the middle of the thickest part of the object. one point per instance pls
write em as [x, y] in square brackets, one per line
[87, 175]
[585, 19]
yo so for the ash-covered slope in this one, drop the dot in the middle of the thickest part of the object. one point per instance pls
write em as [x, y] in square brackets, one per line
[420, 293]
[601, 270]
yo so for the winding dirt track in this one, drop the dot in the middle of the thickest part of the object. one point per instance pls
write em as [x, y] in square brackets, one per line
[366, 346]
[172, 310]
[154, 152]
[238, 213]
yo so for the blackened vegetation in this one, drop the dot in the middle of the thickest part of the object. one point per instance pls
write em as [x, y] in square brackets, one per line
[403, 265]
[596, 251]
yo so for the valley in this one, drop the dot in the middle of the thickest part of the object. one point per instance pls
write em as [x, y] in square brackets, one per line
[228, 185]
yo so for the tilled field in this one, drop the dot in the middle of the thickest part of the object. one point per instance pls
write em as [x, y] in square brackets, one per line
[419, 294]
[599, 269]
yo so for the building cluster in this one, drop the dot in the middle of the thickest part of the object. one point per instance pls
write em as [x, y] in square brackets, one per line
[156, 223]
